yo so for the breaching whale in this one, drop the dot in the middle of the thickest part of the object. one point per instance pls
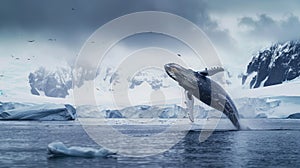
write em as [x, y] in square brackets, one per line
[197, 84]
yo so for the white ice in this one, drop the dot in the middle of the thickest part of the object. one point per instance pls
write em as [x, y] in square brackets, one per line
[14, 111]
[60, 149]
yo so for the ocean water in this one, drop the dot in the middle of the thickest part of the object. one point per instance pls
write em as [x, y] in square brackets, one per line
[24, 144]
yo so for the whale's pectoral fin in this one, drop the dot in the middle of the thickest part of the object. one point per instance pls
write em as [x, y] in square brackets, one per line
[204, 72]
[212, 71]
[190, 105]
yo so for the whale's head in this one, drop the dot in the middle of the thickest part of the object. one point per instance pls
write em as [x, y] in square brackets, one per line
[185, 77]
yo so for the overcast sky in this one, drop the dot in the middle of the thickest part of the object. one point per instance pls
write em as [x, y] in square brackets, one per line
[236, 28]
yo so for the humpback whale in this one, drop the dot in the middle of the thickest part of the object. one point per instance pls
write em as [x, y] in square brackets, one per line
[198, 84]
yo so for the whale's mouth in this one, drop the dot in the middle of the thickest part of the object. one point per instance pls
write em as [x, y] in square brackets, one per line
[170, 71]
[172, 75]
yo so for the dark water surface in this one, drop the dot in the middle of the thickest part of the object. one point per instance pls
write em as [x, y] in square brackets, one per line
[24, 144]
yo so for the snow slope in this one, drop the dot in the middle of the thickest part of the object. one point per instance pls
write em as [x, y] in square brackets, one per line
[274, 65]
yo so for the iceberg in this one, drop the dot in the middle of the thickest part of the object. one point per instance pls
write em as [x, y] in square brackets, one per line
[294, 116]
[56, 149]
[89, 111]
[261, 115]
[113, 114]
[45, 112]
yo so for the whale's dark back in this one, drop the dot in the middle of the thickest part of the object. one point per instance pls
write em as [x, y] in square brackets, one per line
[204, 86]
[212, 94]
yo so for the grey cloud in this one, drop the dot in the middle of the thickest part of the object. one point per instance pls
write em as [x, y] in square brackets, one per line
[197, 12]
[261, 22]
[56, 18]
[233, 7]
[267, 28]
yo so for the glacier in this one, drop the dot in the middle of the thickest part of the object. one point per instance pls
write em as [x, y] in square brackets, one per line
[139, 111]
[266, 107]
[277, 101]
[41, 112]
[282, 106]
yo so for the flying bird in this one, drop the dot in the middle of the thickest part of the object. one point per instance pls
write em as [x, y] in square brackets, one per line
[31, 41]
[178, 55]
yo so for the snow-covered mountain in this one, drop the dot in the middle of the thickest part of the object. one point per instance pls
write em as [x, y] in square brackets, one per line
[57, 82]
[110, 77]
[51, 83]
[156, 78]
[274, 65]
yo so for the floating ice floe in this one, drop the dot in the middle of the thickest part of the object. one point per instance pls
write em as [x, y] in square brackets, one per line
[60, 149]
[17, 111]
